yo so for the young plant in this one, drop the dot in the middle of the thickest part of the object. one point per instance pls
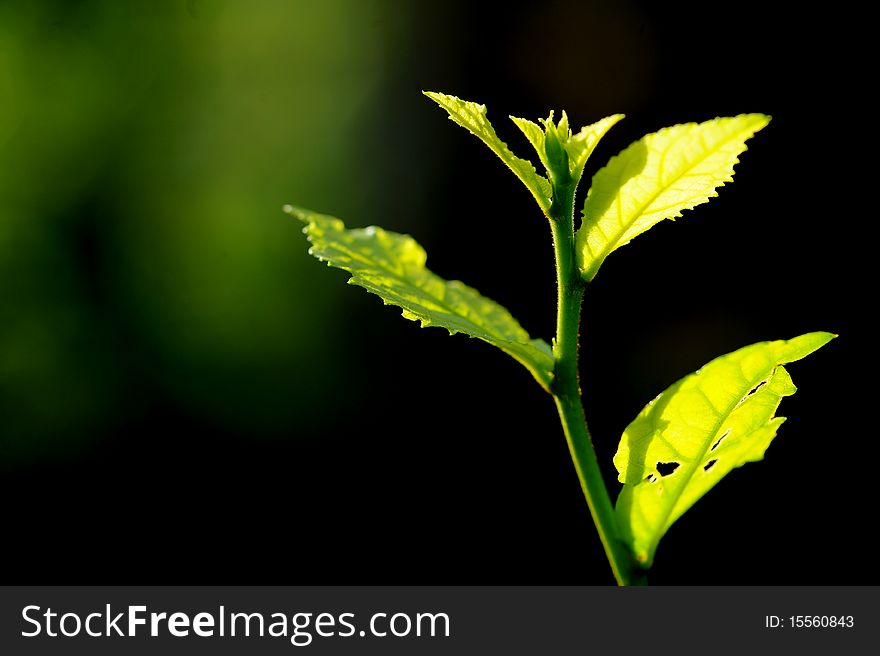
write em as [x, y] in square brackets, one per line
[692, 434]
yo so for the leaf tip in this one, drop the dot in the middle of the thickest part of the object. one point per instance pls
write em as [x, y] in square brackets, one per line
[442, 99]
[758, 121]
[816, 340]
[295, 212]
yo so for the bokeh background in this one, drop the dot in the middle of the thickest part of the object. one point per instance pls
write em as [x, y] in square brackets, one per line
[186, 396]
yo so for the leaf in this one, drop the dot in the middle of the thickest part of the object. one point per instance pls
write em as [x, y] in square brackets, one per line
[657, 178]
[579, 146]
[582, 144]
[535, 134]
[472, 117]
[392, 266]
[699, 429]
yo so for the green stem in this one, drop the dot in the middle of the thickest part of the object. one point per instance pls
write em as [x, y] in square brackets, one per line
[566, 387]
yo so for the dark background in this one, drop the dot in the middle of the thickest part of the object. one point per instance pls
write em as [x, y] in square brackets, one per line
[187, 397]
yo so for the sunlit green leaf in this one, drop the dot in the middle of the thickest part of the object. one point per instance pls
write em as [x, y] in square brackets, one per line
[535, 134]
[392, 266]
[581, 145]
[657, 178]
[472, 117]
[699, 429]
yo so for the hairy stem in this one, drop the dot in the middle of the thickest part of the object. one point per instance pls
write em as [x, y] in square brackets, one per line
[566, 387]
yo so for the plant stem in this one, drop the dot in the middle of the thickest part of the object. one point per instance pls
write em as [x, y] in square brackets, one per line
[566, 386]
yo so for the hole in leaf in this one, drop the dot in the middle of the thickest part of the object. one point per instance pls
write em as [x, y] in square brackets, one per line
[666, 468]
[710, 464]
[756, 388]
[752, 392]
[651, 478]
[723, 435]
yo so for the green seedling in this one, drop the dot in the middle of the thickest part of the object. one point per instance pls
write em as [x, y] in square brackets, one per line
[696, 431]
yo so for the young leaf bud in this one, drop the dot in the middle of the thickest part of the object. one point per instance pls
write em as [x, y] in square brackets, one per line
[557, 158]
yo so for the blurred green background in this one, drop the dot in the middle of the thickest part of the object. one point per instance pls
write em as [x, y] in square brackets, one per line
[166, 342]
[146, 149]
